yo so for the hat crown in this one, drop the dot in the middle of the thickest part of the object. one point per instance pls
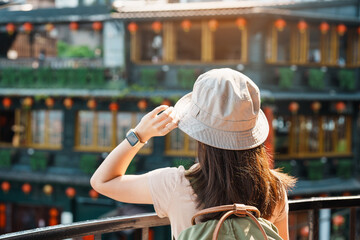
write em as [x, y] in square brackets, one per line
[229, 96]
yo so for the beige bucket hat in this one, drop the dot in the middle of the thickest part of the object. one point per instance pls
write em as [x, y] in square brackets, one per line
[223, 111]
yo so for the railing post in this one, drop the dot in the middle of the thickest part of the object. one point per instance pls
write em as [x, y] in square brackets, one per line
[352, 223]
[145, 233]
[314, 224]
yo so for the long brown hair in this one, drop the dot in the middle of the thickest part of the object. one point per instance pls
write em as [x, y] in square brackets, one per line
[237, 176]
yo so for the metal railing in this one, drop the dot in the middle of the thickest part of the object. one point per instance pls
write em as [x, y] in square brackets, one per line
[145, 221]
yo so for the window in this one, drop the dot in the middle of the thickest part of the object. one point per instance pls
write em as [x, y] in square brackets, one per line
[7, 121]
[178, 143]
[314, 50]
[230, 42]
[312, 136]
[188, 43]
[102, 131]
[354, 47]
[46, 128]
[278, 45]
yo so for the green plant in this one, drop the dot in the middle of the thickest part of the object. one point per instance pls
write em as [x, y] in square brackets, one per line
[316, 79]
[88, 163]
[185, 162]
[315, 169]
[347, 79]
[5, 159]
[39, 161]
[344, 168]
[186, 78]
[65, 50]
[285, 166]
[149, 77]
[286, 78]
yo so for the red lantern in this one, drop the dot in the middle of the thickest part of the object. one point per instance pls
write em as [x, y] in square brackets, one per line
[358, 30]
[241, 23]
[74, 26]
[93, 194]
[213, 25]
[304, 231]
[26, 188]
[315, 106]
[324, 27]
[142, 105]
[114, 107]
[302, 26]
[70, 192]
[293, 107]
[186, 25]
[68, 103]
[340, 107]
[280, 24]
[28, 102]
[341, 29]
[132, 27]
[28, 27]
[5, 186]
[338, 220]
[156, 26]
[10, 28]
[166, 102]
[97, 26]
[49, 27]
[6, 102]
[49, 102]
[53, 212]
[48, 189]
[91, 104]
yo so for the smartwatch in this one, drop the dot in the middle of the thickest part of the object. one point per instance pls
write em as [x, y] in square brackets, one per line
[133, 138]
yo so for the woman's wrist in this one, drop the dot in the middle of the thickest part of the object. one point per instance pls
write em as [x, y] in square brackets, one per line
[141, 135]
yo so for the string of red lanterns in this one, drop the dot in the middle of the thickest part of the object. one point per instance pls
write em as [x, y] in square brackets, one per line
[302, 26]
[324, 27]
[6, 102]
[341, 29]
[132, 27]
[10, 28]
[28, 27]
[97, 26]
[26, 188]
[280, 24]
[186, 25]
[213, 25]
[156, 27]
[74, 26]
[241, 23]
[114, 107]
[70, 192]
[5, 186]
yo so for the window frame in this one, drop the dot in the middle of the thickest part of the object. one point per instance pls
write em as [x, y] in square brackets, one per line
[301, 140]
[147, 149]
[29, 132]
[169, 47]
[185, 151]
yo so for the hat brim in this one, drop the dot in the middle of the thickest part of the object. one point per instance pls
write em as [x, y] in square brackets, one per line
[231, 140]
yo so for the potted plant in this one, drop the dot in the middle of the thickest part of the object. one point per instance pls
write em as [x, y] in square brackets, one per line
[316, 79]
[286, 77]
[347, 79]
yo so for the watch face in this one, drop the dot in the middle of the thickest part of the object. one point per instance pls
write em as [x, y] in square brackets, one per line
[132, 138]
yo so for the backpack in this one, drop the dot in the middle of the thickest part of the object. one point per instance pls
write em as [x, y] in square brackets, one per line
[245, 226]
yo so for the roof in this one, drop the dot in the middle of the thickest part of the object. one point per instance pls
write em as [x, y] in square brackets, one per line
[146, 10]
[93, 13]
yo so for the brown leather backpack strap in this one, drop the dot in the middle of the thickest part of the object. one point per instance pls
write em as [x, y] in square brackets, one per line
[239, 210]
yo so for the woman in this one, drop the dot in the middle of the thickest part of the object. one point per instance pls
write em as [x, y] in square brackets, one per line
[223, 114]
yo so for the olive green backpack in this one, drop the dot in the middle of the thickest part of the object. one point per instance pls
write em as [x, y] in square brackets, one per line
[248, 225]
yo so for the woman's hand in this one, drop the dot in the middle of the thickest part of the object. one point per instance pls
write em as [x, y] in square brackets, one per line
[155, 124]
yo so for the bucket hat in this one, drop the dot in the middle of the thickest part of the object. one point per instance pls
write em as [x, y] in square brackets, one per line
[223, 111]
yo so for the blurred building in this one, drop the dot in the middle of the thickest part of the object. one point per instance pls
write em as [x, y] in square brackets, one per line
[76, 75]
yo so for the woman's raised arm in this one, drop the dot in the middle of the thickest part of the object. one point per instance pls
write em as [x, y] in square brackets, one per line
[110, 179]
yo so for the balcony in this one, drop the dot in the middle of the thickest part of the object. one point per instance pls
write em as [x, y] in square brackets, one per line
[144, 221]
